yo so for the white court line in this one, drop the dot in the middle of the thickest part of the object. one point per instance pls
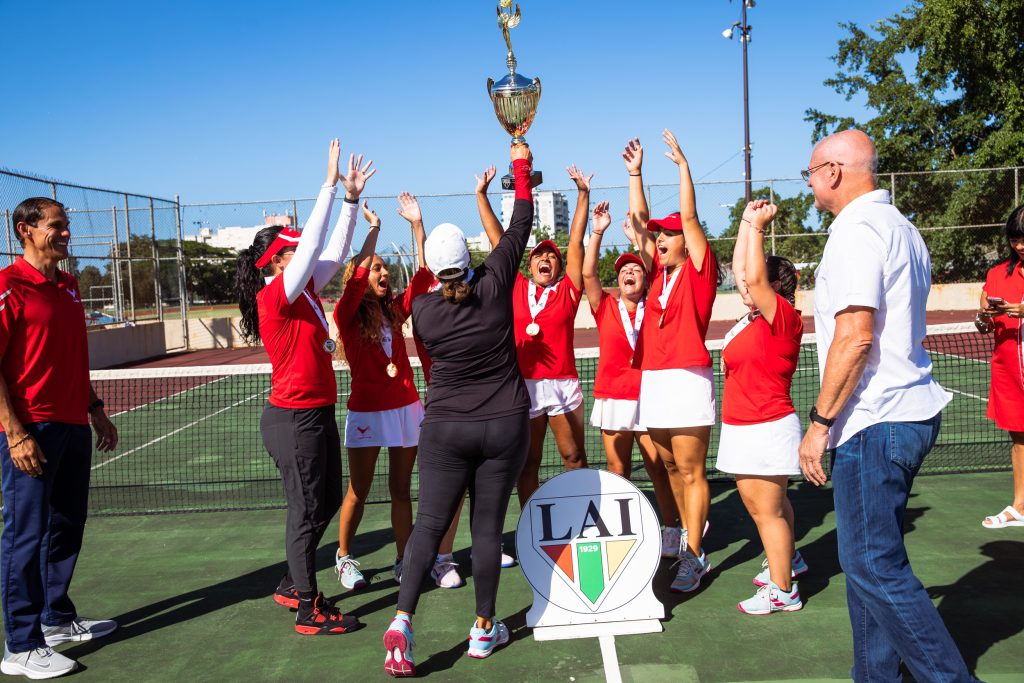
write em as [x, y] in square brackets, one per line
[958, 357]
[964, 393]
[178, 430]
[165, 398]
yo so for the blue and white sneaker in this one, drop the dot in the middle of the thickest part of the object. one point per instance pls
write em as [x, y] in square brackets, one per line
[671, 541]
[770, 598]
[399, 642]
[483, 642]
[507, 561]
[764, 577]
[347, 569]
[691, 570]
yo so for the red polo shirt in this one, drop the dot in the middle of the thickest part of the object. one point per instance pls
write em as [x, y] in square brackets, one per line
[45, 356]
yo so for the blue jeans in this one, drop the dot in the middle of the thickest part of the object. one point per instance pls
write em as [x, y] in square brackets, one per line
[44, 520]
[893, 618]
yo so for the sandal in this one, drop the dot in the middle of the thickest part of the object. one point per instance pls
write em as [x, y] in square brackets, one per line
[1000, 521]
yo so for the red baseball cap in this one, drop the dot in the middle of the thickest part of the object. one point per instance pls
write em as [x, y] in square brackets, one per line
[548, 244]
[670, 223]
[286, 238]
[628, 257]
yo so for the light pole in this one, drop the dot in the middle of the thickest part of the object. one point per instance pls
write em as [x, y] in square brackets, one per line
[744, 29]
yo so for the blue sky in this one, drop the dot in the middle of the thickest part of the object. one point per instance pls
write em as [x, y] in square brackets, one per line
[232, 101]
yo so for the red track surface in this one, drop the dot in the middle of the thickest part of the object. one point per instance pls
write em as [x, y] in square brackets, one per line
[584, 339]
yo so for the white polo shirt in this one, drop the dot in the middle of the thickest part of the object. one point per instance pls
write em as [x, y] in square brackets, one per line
[876, 258]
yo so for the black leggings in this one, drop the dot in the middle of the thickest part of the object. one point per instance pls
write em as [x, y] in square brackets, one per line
[307, 450]
[485, 456]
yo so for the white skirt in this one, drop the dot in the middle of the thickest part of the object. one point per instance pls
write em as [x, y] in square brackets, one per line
[616, 415]
[395, 428]
[678, 397]
[769, 448]
[553, 396]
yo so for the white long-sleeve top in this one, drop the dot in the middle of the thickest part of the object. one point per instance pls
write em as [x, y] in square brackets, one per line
[311, 258]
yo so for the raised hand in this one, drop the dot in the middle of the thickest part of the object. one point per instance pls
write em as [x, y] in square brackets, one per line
[582, 180]
[628, 231]
[675, 152]
[751, 208]
[409, 207]
[602, 219]
[762, 215]
[634, 156]
[333, 159]
[483, 182]
[355, 178]
[371, 216]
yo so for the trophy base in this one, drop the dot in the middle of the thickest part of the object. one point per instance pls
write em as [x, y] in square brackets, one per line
[508, 182]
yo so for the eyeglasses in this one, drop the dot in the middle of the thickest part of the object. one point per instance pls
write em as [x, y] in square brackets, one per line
[808, 172]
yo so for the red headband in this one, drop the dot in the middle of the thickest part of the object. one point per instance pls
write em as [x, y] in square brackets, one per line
[287, 238]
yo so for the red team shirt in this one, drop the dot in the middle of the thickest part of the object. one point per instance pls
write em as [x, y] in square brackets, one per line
[678, 342]
[44, 347]
[550, 354]
[759, 366]
[1006, 392]
[616, 376]
[302, 375]
[372, 389]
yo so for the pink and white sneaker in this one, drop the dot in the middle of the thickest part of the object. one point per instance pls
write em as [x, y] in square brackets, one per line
[399, 641]
[483, 642]
[770, 598]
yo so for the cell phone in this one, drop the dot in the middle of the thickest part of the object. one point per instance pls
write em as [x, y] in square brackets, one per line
[994, 301]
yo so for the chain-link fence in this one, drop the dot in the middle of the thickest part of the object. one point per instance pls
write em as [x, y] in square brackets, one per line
[144, 258]
[125, 249]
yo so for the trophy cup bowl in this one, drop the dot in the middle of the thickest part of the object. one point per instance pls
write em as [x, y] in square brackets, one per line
[515, 100]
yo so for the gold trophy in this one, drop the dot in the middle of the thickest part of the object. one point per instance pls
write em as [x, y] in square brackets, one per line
[515, 97]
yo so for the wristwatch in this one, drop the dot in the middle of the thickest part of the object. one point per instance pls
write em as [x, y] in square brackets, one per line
[98, 403]
[824, 421]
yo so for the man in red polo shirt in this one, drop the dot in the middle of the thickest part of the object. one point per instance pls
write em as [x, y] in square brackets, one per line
[46, 402]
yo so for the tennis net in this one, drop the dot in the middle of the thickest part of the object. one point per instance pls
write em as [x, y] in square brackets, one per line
[190, 438]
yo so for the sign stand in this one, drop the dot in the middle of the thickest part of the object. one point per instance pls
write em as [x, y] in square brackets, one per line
[611, 659]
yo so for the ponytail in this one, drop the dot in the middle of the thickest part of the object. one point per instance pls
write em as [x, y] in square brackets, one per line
[782, 270]
[249, 280]
[457, 289]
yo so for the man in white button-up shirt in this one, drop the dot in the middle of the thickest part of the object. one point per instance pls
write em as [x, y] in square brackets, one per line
[879, 408]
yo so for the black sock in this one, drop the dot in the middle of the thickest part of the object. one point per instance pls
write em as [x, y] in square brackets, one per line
[307, 597]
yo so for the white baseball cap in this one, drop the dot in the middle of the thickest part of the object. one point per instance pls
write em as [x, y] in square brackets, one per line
[446, 250]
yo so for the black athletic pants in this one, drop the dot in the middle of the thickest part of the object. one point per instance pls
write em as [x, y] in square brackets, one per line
[307, 450]
[486, 457]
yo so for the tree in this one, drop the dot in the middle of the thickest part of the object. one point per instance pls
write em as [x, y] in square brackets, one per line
[943, 77]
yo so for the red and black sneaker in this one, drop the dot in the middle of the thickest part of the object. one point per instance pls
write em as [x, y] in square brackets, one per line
[285, 594]
[323, 618]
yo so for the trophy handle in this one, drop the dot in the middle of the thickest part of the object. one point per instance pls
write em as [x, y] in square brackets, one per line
[490, 84]
[536, 82]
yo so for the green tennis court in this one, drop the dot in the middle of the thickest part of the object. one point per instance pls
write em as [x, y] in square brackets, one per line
[193, 596]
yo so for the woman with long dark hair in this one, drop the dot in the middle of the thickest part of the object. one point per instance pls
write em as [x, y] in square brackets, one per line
[384, 409]
[1002, 307]
[760, 440]
[476, 429]
[277, 281]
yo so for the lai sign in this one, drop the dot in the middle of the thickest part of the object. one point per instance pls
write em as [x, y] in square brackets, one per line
[589, 543]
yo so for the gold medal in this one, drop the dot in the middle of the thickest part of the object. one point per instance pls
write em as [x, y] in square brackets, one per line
[533, 329]
[330, 346]
[392, 370]
[661, 320]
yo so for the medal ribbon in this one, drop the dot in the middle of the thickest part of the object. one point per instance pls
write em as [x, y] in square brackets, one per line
[531, 298]
[666, 289]
[632, 330]
[385, 340]
[319, 313]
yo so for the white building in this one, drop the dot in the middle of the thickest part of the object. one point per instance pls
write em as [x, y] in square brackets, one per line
[237, 238]
[550, 211]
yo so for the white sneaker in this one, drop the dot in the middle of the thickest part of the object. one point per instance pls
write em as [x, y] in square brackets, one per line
[446, 573]
[671, 540]
[507, 560]
[37, 664]
[347, 569]
[77, 630]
